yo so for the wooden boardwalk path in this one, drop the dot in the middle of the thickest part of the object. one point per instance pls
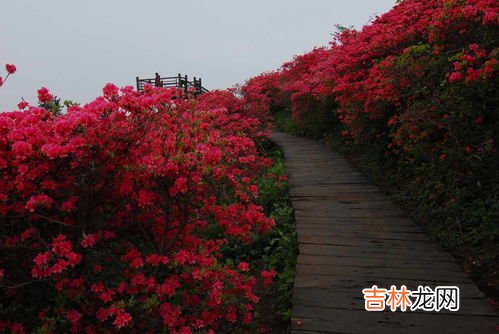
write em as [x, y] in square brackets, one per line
[352, 237]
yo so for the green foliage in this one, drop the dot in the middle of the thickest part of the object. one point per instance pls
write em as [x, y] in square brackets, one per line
[281, 247]
[283, 122]
[54, 106]
[342, 28]
[312, 124]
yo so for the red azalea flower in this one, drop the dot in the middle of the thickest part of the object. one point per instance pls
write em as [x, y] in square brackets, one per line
[11, 68]
[23, 104]
[122, 320]
[243, 266]
[44, 95]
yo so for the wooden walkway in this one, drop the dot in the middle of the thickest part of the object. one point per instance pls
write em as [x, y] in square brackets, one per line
[352, 237]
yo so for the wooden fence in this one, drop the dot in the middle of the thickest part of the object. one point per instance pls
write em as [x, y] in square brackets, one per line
[179, 81]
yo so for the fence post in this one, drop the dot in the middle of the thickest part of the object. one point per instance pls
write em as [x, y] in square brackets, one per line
[179, 81]
[185, 85]
[200, 86]
[137, 80]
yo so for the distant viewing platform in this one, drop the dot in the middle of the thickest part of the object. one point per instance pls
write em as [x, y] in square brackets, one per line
[180, 81]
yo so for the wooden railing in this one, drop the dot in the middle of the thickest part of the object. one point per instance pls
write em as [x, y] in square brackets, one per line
[179, 81]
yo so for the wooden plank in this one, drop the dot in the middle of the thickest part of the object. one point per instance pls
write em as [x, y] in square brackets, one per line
[424, 274]
[361, 239]
[373, 232]
[352, 260]
[362, 227]
[329, 320]
[341, 283]
[354, 300]
[360, 251]
[360, 224]
[351, 236]
[355, 220]
[345, 213]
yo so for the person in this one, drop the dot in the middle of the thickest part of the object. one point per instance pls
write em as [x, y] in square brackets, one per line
[157, 80]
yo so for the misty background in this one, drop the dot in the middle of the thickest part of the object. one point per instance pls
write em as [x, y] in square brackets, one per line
[75, 47]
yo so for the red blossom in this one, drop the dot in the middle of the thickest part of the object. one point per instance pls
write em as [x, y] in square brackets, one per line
[180, 186]
[243, 266]
[17, 328]
[36, 201]
[61, 246]
[74, 317]
[156, 260]
[89, 240]
[268, 276]
[11, 68]
[28, 233]
[110, 90]
[44, 95]
[22, 105]
[455, 76]
[69, 205]
[102, 314]
[169, 287]
[123, 319]
[42, 258]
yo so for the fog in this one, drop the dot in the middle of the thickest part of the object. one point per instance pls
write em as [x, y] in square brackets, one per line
[75, 47]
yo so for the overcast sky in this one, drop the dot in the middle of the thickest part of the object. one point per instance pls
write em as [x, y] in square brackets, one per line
[74, 47]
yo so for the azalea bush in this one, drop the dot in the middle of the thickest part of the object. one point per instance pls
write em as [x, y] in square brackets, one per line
[117, 215]
[413, 93]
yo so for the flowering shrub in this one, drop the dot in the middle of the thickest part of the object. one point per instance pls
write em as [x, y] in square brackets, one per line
[416, 91]
[114, 216]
